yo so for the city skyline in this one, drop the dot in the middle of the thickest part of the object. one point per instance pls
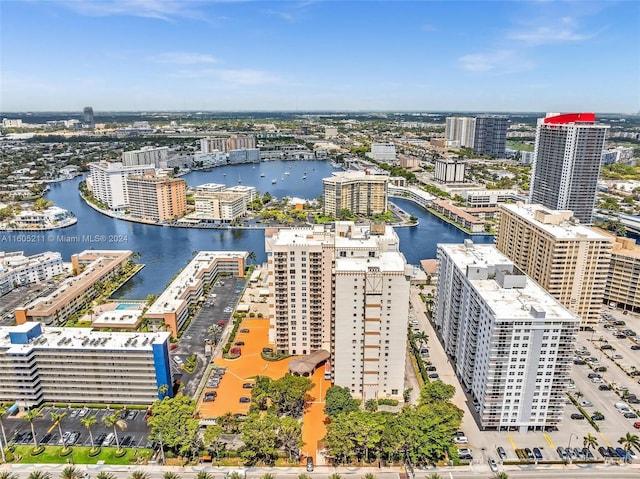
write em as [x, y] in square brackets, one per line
[301, 56]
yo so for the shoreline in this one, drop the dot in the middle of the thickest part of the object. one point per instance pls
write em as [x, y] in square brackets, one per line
[213, 226]
[71, 222]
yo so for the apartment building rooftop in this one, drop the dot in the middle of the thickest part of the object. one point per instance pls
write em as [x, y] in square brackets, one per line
[172, 298]
[385, 262]
[99, 262]
[506, 290]
[558, 223]
[75, 339]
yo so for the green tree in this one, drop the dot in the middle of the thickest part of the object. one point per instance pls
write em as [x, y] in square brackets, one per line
[56, 419]
[500, 475]
[3, 411]
[260, 437]
[371, 405]
[89, 422]
[41, 204]
[162, 390]
[204, 475]
[290, 436]
[212, 440]
[173, 420]
[139, 475]
[105, 475]
[39, 475]
[433, 475]
[436, 391]
[116, 423]
[71, 472]
[268, 475]
[289, 394]
[170, 475]
[31, 416]
[338, 400]
[629, 441]
[8, 475]
[252, 256]
[590, 441]
[304, 475]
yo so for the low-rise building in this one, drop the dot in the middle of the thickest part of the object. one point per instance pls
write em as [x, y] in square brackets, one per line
[172, 306]
[219, 206]
[90, 267]
[459, 216]
[16, 269]
[80, 365]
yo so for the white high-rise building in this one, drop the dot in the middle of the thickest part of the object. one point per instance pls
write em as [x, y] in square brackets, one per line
[460, 131]
[146, 156]
[566, 163]
[345, 290]
[511, 341]
[108, 182]
[18, 269]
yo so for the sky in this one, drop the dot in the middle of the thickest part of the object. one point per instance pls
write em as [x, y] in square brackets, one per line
[197, 55]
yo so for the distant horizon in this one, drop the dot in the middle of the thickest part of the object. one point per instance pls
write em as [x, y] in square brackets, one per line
[331, 111]
[320, 55]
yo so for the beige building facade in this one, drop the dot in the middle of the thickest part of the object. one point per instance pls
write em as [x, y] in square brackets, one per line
[157, 198]
[567, 259]
[357, 191]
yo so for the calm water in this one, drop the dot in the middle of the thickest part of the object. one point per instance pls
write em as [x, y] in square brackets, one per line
[165, 250]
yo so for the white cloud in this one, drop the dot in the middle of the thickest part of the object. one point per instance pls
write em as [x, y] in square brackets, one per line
[183, 58]
[159, 9]
[542, 35]
[500, 61]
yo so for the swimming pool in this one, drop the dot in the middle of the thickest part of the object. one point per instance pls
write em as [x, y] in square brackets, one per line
[126, 306]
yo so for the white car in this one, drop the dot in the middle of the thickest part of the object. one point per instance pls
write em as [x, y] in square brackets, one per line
[460, 440]
[596, 380]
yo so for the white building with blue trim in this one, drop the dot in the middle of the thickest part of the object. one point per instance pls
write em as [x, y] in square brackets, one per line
[79, 365]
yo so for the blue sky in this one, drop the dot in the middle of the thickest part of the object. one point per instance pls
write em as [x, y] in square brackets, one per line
[319, 55]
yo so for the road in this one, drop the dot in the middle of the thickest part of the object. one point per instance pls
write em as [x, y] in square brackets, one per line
[466, 472]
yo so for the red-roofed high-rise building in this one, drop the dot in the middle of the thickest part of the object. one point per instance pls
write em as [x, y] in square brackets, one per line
[566, 163]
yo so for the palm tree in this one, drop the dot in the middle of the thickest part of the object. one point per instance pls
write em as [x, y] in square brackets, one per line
[235, 475]
[39, 475]
[335, 475]
[170, 475]
[139, 475]
[204, 475]
[8, 475]
[304, 475]
[105, 475]
[3, 411]
[162, 389]
[500, 475]
[434, 475]
[369, 475]
[629, 441]
[71, 472]
[115, 421]
[30, 416]
[268, 475]
[578, 395]
[56, 419]
[590, 441]
[88, 422]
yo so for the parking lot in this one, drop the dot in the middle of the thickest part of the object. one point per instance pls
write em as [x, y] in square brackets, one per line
[18, 430]
[217, 309]
[483, 445]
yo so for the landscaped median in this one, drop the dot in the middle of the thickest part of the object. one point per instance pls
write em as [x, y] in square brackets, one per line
[584, 412]
[80, 455]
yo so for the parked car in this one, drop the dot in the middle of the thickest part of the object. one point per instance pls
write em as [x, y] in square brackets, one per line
[577, 415]
[585, 403]
[245, 399]
[493, 465]
[636, 424]
[604, 387]
[579, 453]
[537, 453]
[434, 375]
[239, 343]
[579, 362]
[631, 415]
[606, 347]
[597, 417]
[248, 385]
[503, 454]
[562, 453]
[244, 330]
[604, 452]
[309, 464]
[621, 452]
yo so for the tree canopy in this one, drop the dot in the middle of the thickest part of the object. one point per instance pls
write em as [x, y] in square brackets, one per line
[339, 400]
[173, 420]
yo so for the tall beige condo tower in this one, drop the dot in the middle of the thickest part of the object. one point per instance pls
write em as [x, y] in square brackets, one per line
[344, 290]
[569, 260]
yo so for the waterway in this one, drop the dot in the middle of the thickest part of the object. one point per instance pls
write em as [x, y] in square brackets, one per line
[165, 250]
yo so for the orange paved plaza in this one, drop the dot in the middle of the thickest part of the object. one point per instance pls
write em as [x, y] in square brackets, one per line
[251, 364]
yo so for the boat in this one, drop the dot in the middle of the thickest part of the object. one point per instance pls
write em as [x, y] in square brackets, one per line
[274, 181]
[224, 174]
[239, 179]
[287, 173]
[304, 177]
[262, 175]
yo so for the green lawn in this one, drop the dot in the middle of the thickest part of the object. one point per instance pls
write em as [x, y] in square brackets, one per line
[80, 455]
[518, 145]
